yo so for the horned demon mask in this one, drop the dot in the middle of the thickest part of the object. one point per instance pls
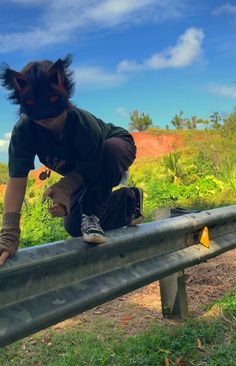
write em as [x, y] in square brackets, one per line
[42, 89]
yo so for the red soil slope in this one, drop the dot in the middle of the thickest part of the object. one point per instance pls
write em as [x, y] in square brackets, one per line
[152, 146]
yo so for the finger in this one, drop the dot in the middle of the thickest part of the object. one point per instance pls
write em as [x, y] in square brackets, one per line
[3, 257]
[47, 193]
[57, 212]
[55, 206]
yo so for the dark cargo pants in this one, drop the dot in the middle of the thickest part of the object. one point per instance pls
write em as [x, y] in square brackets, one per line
[114, 209]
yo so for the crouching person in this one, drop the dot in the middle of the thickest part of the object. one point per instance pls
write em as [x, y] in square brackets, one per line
[91, 155]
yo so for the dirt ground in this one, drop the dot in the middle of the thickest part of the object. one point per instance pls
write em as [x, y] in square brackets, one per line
[136, 311]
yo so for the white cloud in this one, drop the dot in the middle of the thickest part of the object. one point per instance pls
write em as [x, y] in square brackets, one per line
[61, 19]
[122, 112]
[187, 49]
[113, 11]
[110, 13]
[36, 38]
[130, 66]
[184, 53]
[227, 8]
[224, 90]
[4, 143]
[96, 78]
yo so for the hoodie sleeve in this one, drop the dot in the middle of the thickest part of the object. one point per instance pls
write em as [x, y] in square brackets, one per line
[21, 155]
[89, 141]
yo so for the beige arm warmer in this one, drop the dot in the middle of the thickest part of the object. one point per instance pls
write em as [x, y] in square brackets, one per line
[62, 190]
[10, 232]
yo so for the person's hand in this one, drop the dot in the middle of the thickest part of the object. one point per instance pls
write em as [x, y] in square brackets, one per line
[56, 209]
[9, 235]
[60, 193]
[3, 257]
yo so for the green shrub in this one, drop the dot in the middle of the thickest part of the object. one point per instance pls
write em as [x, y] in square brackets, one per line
[37, 225]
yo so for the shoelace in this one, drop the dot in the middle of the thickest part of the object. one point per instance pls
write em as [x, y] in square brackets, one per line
[91, 222]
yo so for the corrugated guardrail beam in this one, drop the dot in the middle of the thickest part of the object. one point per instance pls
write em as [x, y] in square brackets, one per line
[46, 284]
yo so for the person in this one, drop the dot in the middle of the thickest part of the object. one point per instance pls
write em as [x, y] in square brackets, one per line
[91, 156]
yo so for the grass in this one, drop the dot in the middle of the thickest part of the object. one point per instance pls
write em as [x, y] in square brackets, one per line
[208, 340]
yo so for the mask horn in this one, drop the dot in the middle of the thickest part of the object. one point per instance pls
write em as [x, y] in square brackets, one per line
[56, 75]
[16, 80]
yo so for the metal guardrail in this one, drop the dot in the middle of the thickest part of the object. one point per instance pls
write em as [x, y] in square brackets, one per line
[46, 284]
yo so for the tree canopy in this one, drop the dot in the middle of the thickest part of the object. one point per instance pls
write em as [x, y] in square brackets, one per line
[139, 121]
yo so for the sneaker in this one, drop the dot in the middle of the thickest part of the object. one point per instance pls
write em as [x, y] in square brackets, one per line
[91, 230]
[137, 217]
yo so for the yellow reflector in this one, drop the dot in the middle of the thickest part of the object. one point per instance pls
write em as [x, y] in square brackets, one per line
[204, 237]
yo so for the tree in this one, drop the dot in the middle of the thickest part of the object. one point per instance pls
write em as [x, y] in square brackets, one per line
[139, 121]
[229, 125]
[178, 122]
[192, 122]
[201, 121]
[173, 165]
[215, 120]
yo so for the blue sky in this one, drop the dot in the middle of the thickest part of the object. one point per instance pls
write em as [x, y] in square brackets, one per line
[156, 56]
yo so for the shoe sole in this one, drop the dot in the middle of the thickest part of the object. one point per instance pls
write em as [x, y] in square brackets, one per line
[94, 239]
[137, 221]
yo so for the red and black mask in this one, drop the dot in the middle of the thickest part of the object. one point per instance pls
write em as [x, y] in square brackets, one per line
[42, 89]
